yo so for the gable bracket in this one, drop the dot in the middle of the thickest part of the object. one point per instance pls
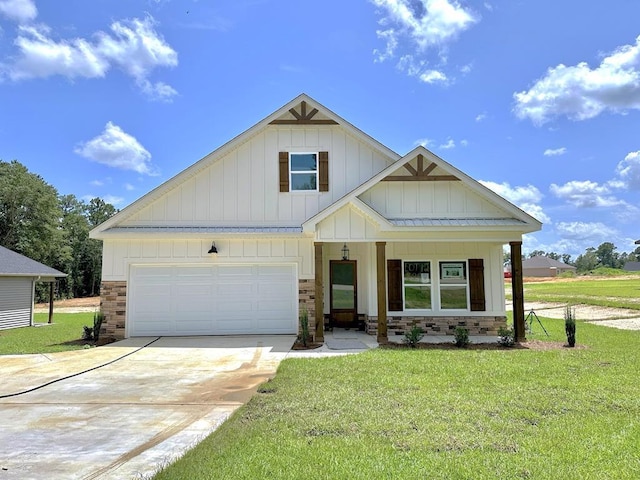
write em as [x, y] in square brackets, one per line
[303, 117]
[421, 174]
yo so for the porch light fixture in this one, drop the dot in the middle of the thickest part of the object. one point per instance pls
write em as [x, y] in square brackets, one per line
[213, 249]
[345, 252]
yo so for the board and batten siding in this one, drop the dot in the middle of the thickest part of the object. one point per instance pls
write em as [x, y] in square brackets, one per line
[16, 302]
[243, 186]
[118, 255]
[438, 199]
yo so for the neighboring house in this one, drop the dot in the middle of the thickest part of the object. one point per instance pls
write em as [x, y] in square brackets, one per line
[631, 266]
[541, 266]
[18, 276]
[303, 211]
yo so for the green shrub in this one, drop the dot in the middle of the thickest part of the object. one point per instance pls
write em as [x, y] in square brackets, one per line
[570, 325]
[304, 327]
[87, 333]
[461, 336]
[507, 336]
[98, 318]
[413, 336]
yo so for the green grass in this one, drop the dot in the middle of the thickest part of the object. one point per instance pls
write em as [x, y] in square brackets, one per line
[439, 414]
[63, 334]
[606, 292]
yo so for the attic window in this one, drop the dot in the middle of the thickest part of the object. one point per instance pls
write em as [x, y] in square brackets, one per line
[303, 168]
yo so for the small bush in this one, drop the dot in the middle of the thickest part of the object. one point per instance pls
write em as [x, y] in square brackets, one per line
[98, 318]
[570, 325]
[304, 327]
[461, 336]
[507, 336]
[413, 336]
[87, 333]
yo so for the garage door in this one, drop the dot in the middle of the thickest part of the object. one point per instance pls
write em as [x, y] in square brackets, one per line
[212, 300]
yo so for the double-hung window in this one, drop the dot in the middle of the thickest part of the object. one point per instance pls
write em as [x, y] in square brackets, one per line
[453, 286]
[303, 171]
[417, 285]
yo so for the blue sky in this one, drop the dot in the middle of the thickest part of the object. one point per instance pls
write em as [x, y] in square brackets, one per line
[538, 99]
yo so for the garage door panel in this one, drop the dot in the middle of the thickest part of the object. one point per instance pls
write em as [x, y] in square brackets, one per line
[211, 300]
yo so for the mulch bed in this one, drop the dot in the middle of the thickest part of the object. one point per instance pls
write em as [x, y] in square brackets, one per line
[528, 345]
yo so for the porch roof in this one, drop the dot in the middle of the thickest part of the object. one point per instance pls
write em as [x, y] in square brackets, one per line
[195, 230]
[455, 222]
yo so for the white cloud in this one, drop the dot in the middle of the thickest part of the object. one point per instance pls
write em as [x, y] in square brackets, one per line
[629, 171]
[433, 76]
[128, 187]
[425, 142]
[134, 46]
[584, 230]
[97, 183]
[113, 200]
[449, 145]
[528, 198]
[552, 152]
[117, 149]
[464, 142]
[481, 116]
[417, 26]
[585, 194]
[21, 11]
[580, 92]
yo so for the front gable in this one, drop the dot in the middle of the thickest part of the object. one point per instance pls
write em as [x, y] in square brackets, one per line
[421, 192]
[246, 182]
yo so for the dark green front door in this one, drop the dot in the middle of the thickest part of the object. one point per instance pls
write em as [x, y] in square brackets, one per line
[343, 293]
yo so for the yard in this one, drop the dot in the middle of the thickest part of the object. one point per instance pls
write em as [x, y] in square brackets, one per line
[439, 413]
[63, 334]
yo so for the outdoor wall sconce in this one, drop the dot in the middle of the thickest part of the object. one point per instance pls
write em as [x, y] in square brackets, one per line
[213, 249]
[345, 252]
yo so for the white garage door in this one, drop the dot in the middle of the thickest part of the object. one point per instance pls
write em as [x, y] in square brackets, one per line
[212, 300]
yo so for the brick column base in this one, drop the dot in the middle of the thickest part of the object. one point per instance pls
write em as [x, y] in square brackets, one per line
[307, 300]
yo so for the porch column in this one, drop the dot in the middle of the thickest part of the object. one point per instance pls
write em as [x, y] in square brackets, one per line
[517, 291]
[319, 293]
[51, 292]
[382, 291]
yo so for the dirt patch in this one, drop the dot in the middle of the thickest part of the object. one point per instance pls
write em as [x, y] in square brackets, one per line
[71, 305]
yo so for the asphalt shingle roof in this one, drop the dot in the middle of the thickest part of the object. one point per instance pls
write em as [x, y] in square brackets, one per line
[544, 262]
[14, 264]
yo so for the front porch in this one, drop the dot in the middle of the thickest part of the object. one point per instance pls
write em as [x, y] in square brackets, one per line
[481, 285]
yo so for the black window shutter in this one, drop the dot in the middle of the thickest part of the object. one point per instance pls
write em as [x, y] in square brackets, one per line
[323, 171]
[394, 285]
[283, 160]
[476, 284]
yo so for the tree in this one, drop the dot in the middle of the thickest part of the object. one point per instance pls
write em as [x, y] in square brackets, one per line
[566, 258]
[29, 215]
[587, 261]
[607, 255]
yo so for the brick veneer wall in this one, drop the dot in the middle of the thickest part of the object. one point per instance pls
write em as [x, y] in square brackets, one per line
[113, 304]
[438, 325]
[307, 299]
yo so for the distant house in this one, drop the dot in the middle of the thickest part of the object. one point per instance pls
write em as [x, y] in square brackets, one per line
[541, 266]
[631, 266]
[18, 275]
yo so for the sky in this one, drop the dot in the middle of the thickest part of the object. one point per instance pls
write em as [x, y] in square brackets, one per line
[537, 99]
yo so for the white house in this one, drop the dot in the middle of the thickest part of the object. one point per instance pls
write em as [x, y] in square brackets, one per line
[305, 211]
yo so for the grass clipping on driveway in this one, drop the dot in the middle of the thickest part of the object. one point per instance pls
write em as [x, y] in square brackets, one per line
[439, 414]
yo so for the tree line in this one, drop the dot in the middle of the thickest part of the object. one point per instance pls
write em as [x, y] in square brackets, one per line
[605, 256]
[38, 222]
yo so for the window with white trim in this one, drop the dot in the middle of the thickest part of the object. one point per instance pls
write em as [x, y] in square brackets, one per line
[303, 171]
[454, 283]
[417, 285]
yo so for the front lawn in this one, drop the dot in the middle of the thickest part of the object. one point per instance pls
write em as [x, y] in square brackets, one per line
[439, 414]
[606, 292]
[63, 334]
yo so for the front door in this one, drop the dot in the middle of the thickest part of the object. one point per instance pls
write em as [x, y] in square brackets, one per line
[343, 293]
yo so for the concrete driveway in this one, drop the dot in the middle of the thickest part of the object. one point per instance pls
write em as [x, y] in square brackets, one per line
[123, 420]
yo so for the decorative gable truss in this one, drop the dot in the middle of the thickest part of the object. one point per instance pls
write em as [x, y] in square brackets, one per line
[420, 173]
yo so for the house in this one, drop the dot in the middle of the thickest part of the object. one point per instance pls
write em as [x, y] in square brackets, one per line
[303, 211]
[631, 266]
[543, 266]
[18, 276]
